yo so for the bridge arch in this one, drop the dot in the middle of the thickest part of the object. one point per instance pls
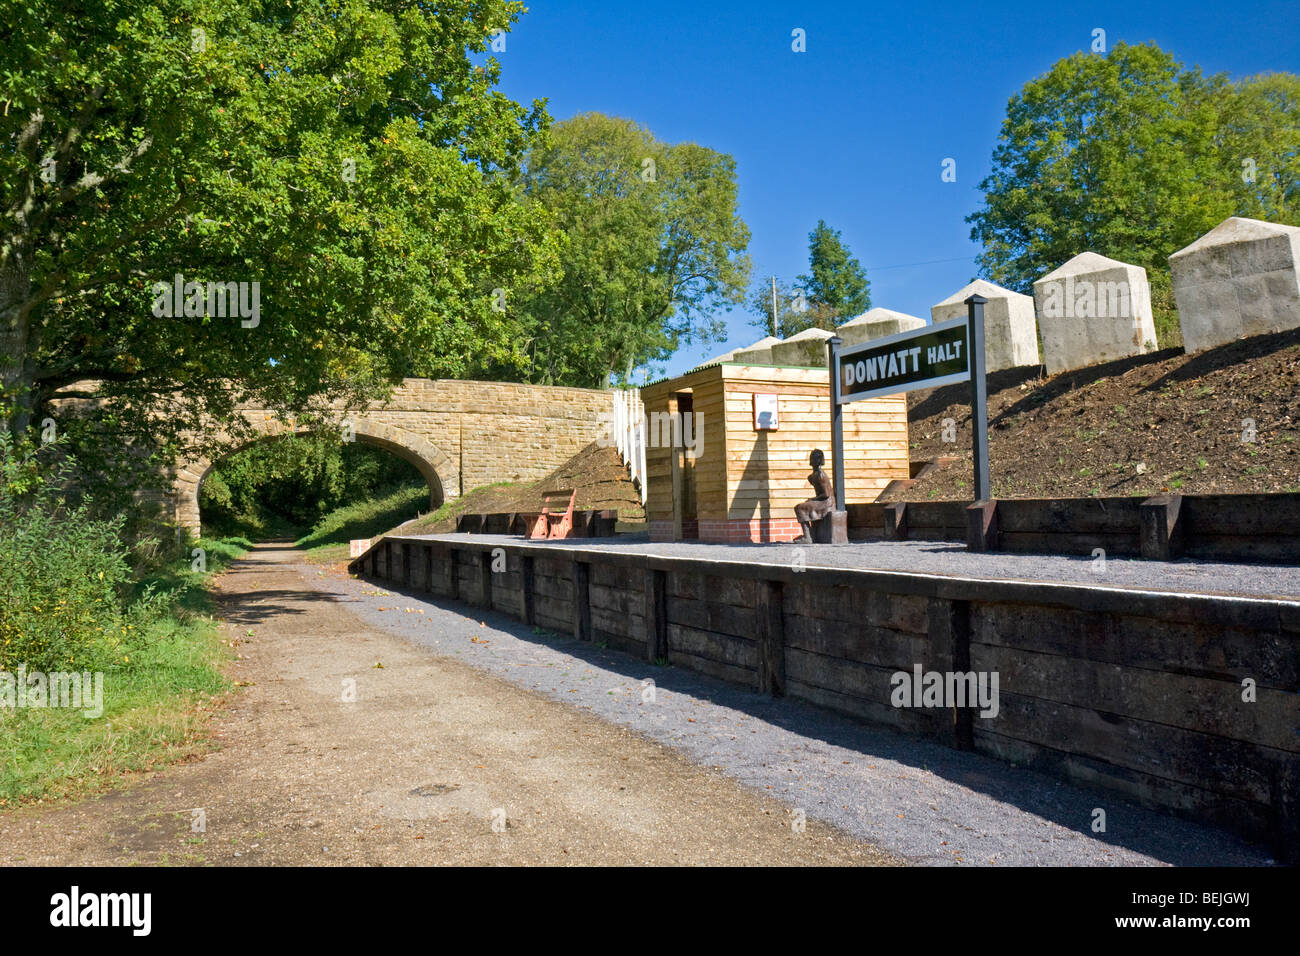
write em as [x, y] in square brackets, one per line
[438, 469]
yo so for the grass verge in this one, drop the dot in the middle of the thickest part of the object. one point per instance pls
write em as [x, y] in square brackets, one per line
[156, 705]
[327, 542]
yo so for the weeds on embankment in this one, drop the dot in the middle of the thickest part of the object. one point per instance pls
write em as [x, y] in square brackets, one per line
[327, 542]
[80, 606]
[156, 699]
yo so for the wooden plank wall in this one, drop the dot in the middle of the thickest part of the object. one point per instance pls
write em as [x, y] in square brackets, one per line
[657, 399]
[617, 599]
[1137, 692]
[702, 472]
[1152, 707]
[866, 522]
[1070, 526]
[553, 594]
[747, 474]
[507, 584]
[767, 472]
[706, 470]
[711, 625]
[843, 644]
[1249, 527]
[936, 520]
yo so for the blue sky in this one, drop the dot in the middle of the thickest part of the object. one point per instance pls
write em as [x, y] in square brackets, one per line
[855, 130]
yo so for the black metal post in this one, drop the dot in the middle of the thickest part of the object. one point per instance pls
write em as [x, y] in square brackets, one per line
[837, 421]
[978, 395]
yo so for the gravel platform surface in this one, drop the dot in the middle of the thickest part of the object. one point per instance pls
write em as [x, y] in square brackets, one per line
[952, 559]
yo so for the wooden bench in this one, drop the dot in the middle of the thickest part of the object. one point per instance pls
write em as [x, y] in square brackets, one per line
[471, 523]
[554, 522]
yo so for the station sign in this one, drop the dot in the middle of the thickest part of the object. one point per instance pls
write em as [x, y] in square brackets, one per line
[923, 358]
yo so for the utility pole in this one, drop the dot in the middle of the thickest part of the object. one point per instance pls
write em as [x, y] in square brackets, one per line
[775, 327]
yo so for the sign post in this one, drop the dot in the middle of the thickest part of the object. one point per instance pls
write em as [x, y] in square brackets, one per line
[837, 422]
[978, 396]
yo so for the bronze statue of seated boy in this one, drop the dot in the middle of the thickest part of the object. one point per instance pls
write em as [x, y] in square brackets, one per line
[822, 503]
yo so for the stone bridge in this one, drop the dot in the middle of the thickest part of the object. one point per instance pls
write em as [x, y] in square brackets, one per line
[460, 435]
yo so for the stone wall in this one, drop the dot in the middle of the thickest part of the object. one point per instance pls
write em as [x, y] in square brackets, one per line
[499, 431]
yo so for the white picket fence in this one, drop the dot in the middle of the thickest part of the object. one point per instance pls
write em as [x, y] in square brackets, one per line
[630, 432]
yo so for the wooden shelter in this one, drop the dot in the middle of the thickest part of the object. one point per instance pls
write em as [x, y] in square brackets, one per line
[728, 445]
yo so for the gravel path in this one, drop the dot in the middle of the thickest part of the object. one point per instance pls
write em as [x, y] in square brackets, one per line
[952, 559]
[927, 803]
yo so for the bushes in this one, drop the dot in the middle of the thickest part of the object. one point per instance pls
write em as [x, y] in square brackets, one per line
[75, 596]
[155, 705]
[64, 574]
[283, 487]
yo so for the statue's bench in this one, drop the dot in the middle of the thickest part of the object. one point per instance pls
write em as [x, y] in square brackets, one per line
[832, 529]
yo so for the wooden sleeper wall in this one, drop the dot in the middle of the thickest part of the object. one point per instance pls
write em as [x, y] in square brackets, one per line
[1136, 692]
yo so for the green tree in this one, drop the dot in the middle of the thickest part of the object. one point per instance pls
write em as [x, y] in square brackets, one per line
[352, 157]
[288, 484]
[1258, 143]
[795, 311]
[1132, 156]
[654, 248]
[837, 280]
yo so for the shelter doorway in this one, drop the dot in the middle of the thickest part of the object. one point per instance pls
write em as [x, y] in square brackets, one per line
[686, 524]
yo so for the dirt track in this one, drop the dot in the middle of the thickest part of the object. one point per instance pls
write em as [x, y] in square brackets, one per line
[416, 771]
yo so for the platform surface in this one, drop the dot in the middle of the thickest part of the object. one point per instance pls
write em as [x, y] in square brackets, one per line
[949, 559]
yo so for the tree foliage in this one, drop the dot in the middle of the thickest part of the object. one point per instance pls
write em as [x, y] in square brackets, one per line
[654, 248]
[1133, 156]
[795, 311]
[350, 156]
[289, 484]
[1258, 140]
[835, 290]
[835, 280]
